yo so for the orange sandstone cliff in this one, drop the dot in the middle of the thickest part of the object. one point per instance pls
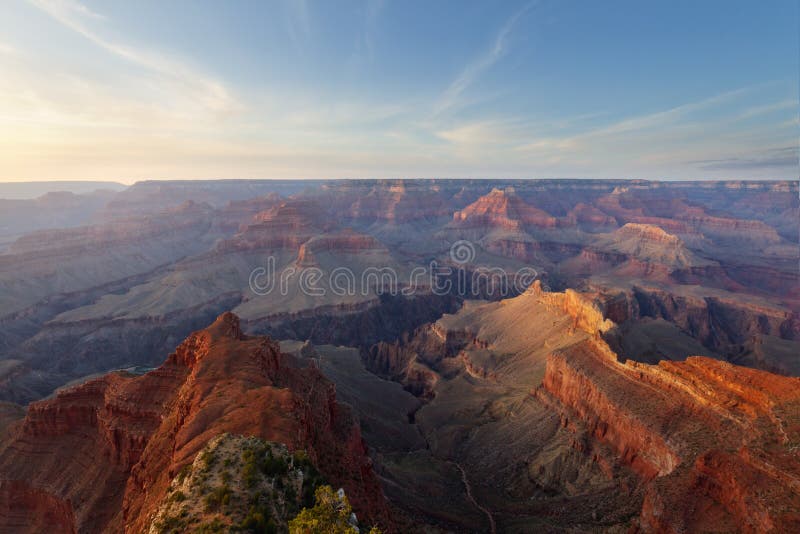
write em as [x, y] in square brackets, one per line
[716, 446]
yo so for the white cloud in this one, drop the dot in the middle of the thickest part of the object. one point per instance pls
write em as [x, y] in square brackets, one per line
[490, 132]
[768, 108]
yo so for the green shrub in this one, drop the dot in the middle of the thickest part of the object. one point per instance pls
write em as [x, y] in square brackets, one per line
[207, 460]
[220, 496]
[258, 520]
[178, 496]
[330, 515]
[171, 525]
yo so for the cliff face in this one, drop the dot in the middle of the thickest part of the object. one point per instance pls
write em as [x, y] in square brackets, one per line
[57, 263]
[344, 242]
[718, 323]
[502, 209]
[397, 202]
[528, 398]
[586, 312]
[114, 444]
[286, 225]
[592, 405]
[744, 331]
[674, 214]
[715, 445]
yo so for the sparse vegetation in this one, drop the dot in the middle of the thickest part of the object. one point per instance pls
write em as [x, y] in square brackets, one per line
[218, 498]
[177, 496]
[183, 472]
[239, 484]
[331, 514]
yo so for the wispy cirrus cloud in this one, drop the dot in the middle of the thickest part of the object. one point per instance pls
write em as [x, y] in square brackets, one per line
[766, 109]
[733, 132]
[685, 118]
[661, 119]
[769, 159]
[207, 91]
[470, 74]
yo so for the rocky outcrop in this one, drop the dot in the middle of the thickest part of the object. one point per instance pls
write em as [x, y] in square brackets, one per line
[586, 313]
[668, 210]
[344, 242]
[570, 379]
[398, 202]
[715, 445]
[411, 360]
[502, 208]
[27, 509]
[238, 483]
[715, 321]
[237, 214]
[647, 243]
[298, 225]
[114, 444]
[732, 328]
[285, 226]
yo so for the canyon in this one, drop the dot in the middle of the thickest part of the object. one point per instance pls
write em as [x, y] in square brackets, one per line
[644, 378]
[120, 439]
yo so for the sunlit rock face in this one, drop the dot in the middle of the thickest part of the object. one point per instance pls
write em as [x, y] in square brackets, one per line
[114, 444]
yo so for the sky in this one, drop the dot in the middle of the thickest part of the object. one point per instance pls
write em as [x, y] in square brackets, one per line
[126, 91]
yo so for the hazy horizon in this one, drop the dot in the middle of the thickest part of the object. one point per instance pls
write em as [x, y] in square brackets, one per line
[124, 184]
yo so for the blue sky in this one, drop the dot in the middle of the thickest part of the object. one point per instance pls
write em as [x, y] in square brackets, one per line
[120, 90]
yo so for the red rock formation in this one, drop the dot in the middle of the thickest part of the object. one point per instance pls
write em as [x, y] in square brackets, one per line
[285, 226]
[675, 215]
[651, 244]
[102, 454]
[398, 202]
[297, 225]
[344, 242]
[648, 232]
[715, 445]
[502, 209]
[236, 214]
[716, 321]
[27, 509]
[585, 310]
